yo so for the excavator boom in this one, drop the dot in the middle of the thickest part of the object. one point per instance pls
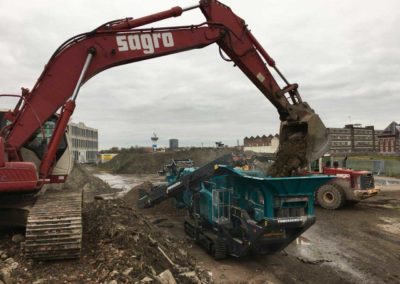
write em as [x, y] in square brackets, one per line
[121, 42]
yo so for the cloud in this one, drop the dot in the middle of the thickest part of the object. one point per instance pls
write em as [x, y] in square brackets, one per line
[344, 55]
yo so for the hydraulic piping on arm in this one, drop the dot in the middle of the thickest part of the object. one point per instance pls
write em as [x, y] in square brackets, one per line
[125, 41]
[48, 160]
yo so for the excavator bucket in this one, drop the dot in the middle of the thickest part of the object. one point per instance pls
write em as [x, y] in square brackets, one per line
[317, 138]
[309, 131]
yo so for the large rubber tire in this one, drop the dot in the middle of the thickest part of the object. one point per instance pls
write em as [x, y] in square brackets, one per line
[219, 249]
[331, 197]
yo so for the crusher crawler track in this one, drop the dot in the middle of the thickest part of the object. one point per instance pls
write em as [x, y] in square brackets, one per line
[54, 226]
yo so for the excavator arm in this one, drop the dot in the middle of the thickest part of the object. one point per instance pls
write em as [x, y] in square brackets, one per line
[126, 41]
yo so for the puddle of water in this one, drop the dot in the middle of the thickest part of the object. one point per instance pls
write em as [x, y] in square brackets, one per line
[318, 250]
[386, 206]
[386, 181]
[303, 241]
[114, 181]
[124, 182]
[391, 225]
[306, 251]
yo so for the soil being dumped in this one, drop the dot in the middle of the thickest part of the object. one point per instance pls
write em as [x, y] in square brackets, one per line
[290, 157]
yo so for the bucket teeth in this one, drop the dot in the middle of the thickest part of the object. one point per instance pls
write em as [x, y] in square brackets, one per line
[54, 226]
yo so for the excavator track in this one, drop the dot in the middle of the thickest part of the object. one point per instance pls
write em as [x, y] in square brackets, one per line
[54, 226]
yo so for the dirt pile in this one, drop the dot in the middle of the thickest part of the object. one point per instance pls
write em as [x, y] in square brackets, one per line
[80, 177]
[167, 207]
[119, 246]
[290, 157]
[142, 249]
[150, 163]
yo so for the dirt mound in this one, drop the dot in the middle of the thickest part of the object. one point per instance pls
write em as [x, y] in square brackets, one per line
[80, 177]
[119, 244]
[291, 155]
[141, 247]
[167, 207]
[149, 163]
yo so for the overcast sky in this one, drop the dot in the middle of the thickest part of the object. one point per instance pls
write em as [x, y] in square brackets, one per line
[344, 54]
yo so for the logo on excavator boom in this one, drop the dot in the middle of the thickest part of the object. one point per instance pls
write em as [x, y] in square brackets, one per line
[148, 42]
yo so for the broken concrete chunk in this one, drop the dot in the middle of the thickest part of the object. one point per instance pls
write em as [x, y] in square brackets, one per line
[9, 260]
[128, 271]
[113, 273]
[190, 276]
[166, 277]
[147, 280]
[17, 238]
[40, 281]
[5, 275]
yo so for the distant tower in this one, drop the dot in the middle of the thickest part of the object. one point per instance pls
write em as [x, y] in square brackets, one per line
[173, 143]
[154, 140]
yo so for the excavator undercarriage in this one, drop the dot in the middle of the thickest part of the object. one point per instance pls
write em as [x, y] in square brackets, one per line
[53, 222]
[54, 225]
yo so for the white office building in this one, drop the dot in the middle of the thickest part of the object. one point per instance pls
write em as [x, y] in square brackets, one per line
[84, 142]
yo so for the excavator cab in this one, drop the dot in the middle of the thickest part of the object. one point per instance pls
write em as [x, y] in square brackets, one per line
[34, 149]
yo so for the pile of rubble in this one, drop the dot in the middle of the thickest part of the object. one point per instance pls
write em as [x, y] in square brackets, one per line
[7, 265]
[119, 246]
[144, 252]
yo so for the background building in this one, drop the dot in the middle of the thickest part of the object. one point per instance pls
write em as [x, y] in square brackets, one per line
[105, 157]
[173, 143]
[85, 144]
[353, 138]
[261, 144]
[389, 140]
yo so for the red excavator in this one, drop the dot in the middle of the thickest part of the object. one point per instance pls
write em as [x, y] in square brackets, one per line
[34, 146]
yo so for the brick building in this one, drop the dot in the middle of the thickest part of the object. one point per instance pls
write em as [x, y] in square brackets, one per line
[389, 140]
[354, 138]
[261, 144]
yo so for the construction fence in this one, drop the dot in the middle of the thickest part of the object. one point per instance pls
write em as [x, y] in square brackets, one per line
[378, 167]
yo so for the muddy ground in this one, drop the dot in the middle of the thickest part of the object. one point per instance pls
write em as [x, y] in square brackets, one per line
[357, 244]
